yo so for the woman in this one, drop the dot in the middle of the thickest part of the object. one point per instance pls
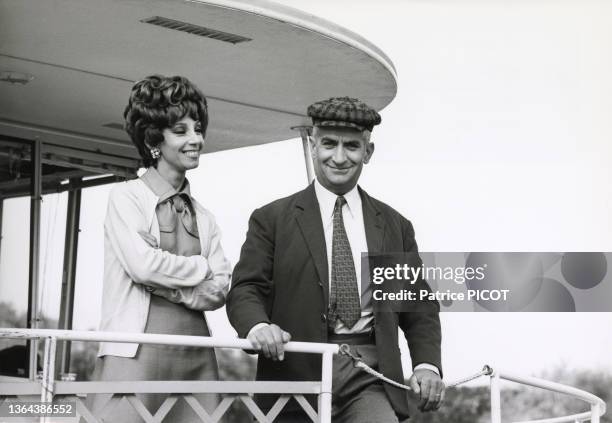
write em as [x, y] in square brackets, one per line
[163, 263]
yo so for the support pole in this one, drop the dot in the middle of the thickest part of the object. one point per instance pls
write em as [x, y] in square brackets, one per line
[35, 208]
[304, 131]
[495, 398]
[73, 213]
[325, 399]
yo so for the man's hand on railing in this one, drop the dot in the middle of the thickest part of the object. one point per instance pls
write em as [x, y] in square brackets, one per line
[270, 339]
[429, 386]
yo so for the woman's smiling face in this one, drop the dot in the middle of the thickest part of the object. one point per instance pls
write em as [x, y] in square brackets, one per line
[182, 145]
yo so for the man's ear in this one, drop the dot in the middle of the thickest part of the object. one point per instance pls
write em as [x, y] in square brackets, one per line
[369, 152]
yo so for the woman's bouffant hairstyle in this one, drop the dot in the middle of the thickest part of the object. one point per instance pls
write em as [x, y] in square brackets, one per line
[157, 102]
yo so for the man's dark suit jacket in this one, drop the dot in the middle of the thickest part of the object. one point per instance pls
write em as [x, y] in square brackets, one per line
[282, 278]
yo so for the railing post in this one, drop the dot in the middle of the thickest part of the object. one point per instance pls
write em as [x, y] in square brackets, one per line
[325, 399]
[48, 379]
[495, 398]
[595, 411]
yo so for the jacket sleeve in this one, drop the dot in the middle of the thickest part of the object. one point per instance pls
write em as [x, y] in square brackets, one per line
[421, 328]
[252, 277]
[143, 263]
[209, 294]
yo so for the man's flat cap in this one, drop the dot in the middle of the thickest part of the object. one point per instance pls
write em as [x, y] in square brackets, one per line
[343, 111]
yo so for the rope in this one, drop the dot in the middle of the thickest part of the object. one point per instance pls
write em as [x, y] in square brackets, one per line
[346, 350]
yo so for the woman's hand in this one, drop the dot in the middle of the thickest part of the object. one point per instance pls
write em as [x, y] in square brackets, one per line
[206, 296]
[149, 239]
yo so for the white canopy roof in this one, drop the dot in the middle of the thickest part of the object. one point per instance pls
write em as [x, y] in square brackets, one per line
[84, 56]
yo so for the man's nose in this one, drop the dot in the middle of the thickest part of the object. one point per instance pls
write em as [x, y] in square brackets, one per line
[339, 155]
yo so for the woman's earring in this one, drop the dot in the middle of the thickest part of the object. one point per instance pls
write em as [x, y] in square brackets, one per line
[155, 153]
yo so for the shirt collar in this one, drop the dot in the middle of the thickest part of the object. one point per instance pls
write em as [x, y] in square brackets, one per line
[161, 187]
[327, 200]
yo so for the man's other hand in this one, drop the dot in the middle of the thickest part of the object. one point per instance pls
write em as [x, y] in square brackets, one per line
[270, 339]
[429, 385]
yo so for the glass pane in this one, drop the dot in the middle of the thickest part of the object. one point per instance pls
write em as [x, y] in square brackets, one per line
[89, 272]
[15, 191]
[14, 262]
[52, 238]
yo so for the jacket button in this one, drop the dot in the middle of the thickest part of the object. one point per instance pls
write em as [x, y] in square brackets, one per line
[323, 317]
[320, 283]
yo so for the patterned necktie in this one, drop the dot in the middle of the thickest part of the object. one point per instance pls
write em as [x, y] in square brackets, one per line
[344, 295]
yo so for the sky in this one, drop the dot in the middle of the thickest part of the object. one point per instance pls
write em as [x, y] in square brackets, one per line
[498, 140]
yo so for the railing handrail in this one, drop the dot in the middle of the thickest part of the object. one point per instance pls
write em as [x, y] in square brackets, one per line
[149, 338]
[598, 406]
[553, 386]
[572, 418]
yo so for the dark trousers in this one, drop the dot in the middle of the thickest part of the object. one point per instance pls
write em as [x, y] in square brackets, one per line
[357, 396]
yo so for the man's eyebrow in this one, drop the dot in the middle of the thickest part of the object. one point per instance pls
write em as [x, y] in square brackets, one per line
[329, 139]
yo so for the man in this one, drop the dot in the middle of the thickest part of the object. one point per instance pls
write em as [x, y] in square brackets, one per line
[299, 277]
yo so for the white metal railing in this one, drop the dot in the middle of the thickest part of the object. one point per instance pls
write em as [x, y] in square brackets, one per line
[48, 387]
[598, 406]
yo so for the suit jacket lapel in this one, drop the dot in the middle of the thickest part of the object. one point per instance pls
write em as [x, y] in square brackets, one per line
[308, 217]
[375, 237]
[373, 222]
